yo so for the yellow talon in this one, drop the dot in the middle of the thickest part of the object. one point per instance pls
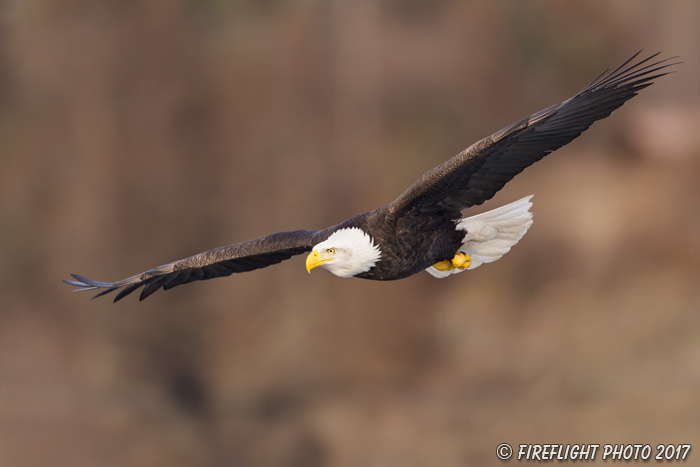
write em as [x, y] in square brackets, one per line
[460, 261]
[443, 265]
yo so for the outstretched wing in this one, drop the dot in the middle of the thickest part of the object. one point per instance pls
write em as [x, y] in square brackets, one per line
[219, 262]
[477, 173]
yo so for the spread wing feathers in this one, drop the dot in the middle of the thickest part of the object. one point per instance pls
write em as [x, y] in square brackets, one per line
[219, 262]
[477, 173]
[492, 234]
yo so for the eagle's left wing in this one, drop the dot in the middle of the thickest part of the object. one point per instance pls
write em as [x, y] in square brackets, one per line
[477, 173]
[219, 262]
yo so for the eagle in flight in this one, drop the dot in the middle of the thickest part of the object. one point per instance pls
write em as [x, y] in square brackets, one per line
[423, 229]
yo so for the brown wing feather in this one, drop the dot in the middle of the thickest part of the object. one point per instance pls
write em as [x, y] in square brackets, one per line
[219, 262]
[477, 173]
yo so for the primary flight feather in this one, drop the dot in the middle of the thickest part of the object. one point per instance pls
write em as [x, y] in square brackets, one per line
[423, 229]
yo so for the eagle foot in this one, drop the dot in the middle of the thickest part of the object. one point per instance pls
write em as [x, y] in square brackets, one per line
[460, 261]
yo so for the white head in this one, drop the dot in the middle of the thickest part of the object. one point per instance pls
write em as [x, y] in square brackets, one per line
[346, 253]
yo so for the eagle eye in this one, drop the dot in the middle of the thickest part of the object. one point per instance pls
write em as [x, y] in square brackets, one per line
[330, 251]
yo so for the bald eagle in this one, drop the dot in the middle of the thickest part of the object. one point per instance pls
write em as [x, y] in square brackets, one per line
[423, 229]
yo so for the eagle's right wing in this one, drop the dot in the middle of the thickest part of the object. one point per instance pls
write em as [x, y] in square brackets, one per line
[219, 262]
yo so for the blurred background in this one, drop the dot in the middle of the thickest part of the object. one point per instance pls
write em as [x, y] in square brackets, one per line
[136, 133]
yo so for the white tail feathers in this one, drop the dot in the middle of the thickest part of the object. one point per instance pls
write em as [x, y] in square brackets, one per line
[491, 234]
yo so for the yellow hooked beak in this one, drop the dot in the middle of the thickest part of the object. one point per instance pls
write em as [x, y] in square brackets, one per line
[314, 259]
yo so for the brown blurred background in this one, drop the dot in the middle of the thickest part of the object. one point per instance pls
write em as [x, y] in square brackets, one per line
[134, 133]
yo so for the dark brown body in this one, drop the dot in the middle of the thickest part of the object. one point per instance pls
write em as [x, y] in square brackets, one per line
[408, 245]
